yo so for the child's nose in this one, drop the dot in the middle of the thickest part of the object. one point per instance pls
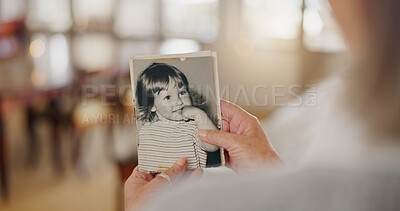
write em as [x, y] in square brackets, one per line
[179, 101]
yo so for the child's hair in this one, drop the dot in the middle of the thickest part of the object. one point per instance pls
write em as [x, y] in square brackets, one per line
[152, 80]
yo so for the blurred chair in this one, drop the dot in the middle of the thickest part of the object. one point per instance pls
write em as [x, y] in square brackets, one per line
[51, 109]
[94, 88]
[51, 77]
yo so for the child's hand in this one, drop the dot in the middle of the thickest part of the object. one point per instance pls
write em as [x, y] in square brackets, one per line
[190, 112]
[203, 123]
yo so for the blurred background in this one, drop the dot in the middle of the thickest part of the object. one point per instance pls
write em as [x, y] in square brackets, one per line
[67, 137]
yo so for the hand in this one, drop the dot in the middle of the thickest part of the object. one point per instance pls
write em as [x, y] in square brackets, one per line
[247, 148]
[141, 187]
[190, 112]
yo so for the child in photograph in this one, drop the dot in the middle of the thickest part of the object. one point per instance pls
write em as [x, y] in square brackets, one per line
[169, 121]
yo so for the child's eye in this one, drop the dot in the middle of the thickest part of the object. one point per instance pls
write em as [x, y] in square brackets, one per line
[182, 92]
[167, 97]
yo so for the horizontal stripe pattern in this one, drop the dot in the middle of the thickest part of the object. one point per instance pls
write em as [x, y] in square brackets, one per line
[162, 143]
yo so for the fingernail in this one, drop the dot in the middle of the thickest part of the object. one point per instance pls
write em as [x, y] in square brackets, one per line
[181, 161]
[201, 133]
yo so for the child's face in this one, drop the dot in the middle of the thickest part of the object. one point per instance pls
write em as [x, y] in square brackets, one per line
[169, 103]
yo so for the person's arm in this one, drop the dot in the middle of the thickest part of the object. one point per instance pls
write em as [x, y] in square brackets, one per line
[203, 123]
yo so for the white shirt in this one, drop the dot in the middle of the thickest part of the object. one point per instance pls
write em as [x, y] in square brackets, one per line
[161, 143]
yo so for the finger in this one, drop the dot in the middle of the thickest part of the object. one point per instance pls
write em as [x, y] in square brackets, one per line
[195, 175]
[138, 174]
[240, 121]
[175, 172]
[230, 110]
[225, 125]
[219, 138]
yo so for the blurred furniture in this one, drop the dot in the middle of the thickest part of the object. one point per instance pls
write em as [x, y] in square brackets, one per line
[25, 98]
[94, 55]
[10, 46]
[91, 108]
[52, 113]
[22, 82]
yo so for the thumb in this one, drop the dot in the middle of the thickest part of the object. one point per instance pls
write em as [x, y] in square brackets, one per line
[175, 172]
[220, 138]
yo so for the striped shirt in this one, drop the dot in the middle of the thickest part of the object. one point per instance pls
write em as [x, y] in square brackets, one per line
[162, 143]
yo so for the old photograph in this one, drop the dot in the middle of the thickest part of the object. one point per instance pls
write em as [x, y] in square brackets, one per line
[175, 96]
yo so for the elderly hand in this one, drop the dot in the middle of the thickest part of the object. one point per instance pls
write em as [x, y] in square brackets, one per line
[247, 148]
[141, 187]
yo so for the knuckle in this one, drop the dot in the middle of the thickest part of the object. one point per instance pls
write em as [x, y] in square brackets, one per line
[172, 171]
[211, 134]
[253, 118]
[216, 135]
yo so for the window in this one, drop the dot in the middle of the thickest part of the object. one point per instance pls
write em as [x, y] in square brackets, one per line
[93, 14]
[191, 19]
[321, 32]
[11, 10]
[51, 60]
[137, 19]
[51, 15]
[94, 51]
[271, 19]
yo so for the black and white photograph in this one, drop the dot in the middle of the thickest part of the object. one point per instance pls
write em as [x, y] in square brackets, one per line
[175, 96]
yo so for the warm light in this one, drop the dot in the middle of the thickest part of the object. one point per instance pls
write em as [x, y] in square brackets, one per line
[321, 32]
[38, 77]
[244, 47]
[98, 11]
[11, 10]
[128, 98]
[37, 48]
[94, 51]
[192, 1]
[313, 24]
[174, 46]
[93, 113]
[145, 11]
[48, 15]
[59, 60]
[191, 19]
[271, 19]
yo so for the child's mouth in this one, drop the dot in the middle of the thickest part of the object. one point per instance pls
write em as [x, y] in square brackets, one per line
[178, 110]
